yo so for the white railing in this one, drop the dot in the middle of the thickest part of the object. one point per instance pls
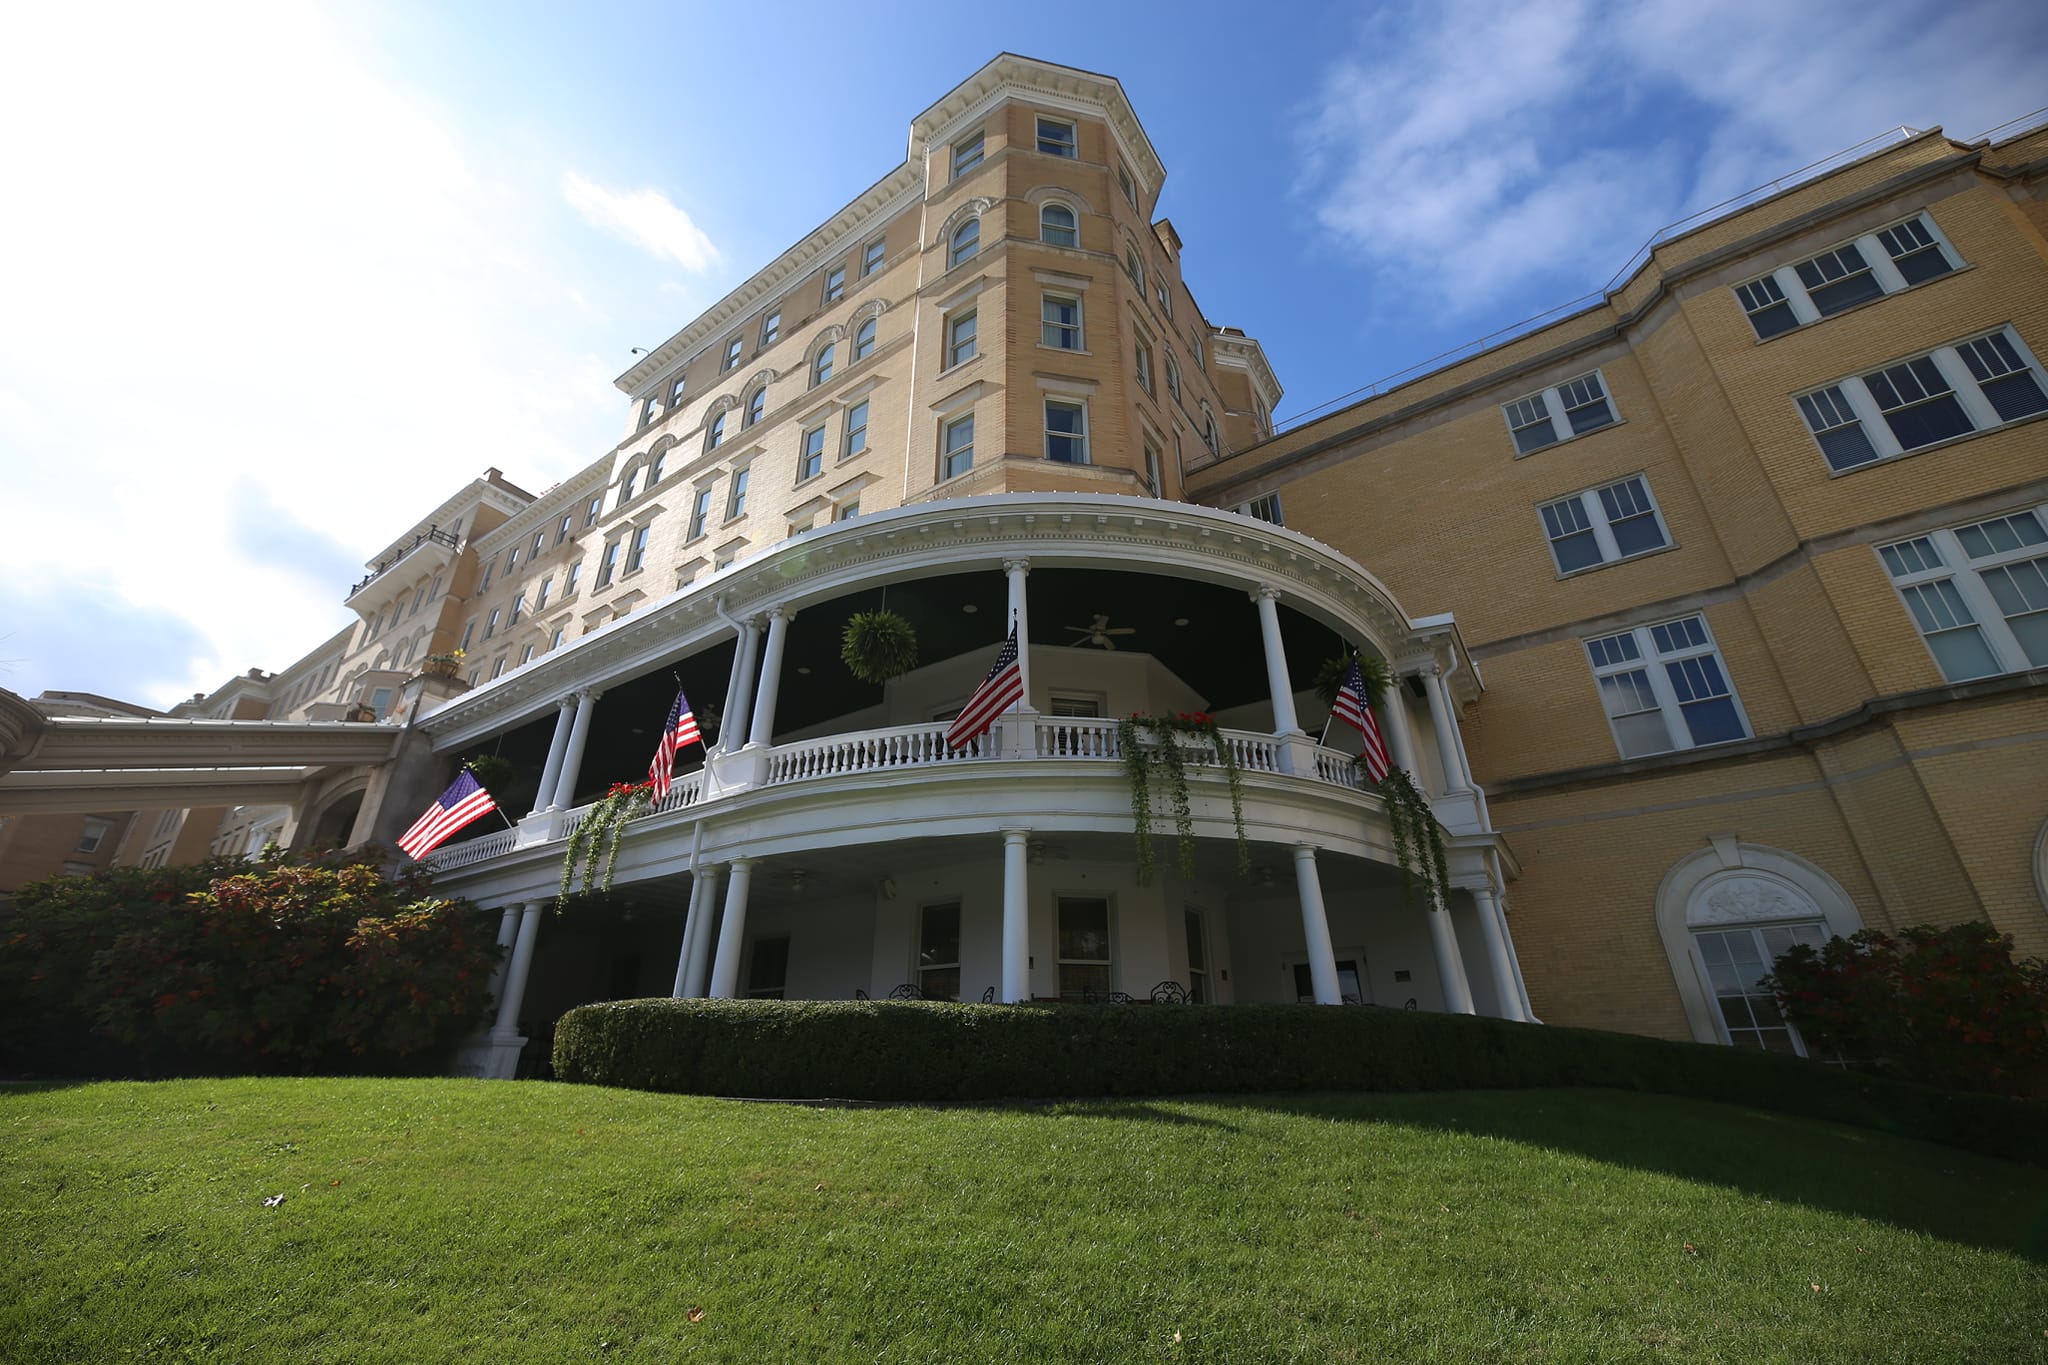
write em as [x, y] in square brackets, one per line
[472, 850]
[686, 791]
[904, 746]
[1068, 737]
[1253, 753]
[1340, 769]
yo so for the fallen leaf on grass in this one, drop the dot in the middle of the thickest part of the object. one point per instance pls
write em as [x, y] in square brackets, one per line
[1814, 1287]
[818, 1188]
[695, 1315]
[1691, 1250]
[273, 1201]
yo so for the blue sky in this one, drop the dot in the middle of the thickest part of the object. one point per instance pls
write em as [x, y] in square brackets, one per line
[289, 273]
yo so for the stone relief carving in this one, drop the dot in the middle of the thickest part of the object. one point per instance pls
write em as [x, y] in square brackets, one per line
[1738, 900]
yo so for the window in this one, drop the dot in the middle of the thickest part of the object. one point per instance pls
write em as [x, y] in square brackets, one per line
[1153, 482]
[419, 594]
[856, 439]
[736, 500]
[771, 328]
[938, 952]
[1737, 960]
[1978, 593]
[732, 355]
[848, 511]
[518, 609]
[1602, 525]
[1159, 291]
[1075, 705]
[555, 640]
[821, 368]
[1198, 959]
[1056, 137]
[526, 656]
[1062, 328]
[627, 487]
[1266, 508]
[700, 512]
[966, 243]
[1056, 226]
[562, 531]
[590, 513]
[1173, 376]
[654, 466]
[1209, 431]
[768, 968]
[540, 596]
[636, 552]
[714, 435]
[757, 404]
[491, 625]
[1663, 688]
[1135, 268]
[1873, 265]
[1123, 182]
[511, 563]
[864, 339]
[608, 563]
[967, 153]
[724, 560]
[675, 393]
[810, 460]
[1577, 405]
[959, 446]
[569, 583]
[1974, 385]
[467, 628]
[94, 833]
[1144, 366]
[1084, 960]
[960, 338]
[1066, 431]
[650, 408]
[1200, 351]
[871, 256]
[835, 284]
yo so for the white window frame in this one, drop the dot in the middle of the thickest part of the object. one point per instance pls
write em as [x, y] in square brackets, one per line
[810, 462]
[1048, 329]
[950, 454]
[1586, 511]
[757, 406]
[1067, 148]
[969, 152]
[732, 353]
[1849, 402]
[1108, 963]
[1265, 507]
[1142, 364]
[872, 255]
[771, 327]
[822, 364]
[865, 334]
[1762, 293]
[736, 494]
[1134, 266]
[1652, 663]
[607, 565]
[714, 431]
[959, 252]
[1155, 479]
[1073, 228]
[835, 283]
[919, 966]
[92, 834]
[491, 624]
[1555, 405]
[1128, 186]
[675, 391]
[1943, 589]
[847, 449]
[636, 549]
[1172, 376]
[700, 511]
[540, 596]
[1075, 405]
[953, 343]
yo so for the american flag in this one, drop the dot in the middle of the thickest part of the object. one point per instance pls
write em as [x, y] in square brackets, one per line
[1002, 688]
[463, 802]
[1354, 710]
[680, 730]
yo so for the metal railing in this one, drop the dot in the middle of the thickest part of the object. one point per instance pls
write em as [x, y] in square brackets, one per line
[433, 535]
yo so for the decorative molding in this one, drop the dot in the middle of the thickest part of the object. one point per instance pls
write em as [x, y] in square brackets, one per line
[970, 208]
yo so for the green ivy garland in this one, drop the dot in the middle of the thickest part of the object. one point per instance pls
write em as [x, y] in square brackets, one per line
[1418, 839]
[1167, 754]
[878, 646]
[596, 838]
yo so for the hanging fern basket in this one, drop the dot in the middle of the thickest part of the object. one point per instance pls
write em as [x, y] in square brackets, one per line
[595, 841]
[1371, 668]
[1151, 744]
[878, 646]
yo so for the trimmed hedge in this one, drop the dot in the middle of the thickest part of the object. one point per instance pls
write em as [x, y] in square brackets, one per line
[912, 1050]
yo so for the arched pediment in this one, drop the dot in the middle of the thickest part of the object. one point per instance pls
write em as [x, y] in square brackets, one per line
[1038, 196]
[972, 208]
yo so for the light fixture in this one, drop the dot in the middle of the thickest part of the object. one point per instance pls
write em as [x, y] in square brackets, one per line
[803, 669]
[797, 877]
[970, 609]
[1180, 620]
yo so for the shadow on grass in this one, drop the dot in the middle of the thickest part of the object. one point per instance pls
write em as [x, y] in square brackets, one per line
[1953, 1195]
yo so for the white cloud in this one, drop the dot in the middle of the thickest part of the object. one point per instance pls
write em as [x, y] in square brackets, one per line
[1470, 150]
[645, 218]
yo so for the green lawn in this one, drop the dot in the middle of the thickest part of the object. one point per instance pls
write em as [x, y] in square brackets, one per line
[452, 1220]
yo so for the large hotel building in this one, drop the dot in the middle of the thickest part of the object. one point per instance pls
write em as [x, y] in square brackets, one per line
[1716, 614]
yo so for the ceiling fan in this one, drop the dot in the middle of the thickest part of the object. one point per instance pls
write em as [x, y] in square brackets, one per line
[1097, 633]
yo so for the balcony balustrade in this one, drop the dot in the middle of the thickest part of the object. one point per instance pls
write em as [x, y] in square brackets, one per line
[433, 535]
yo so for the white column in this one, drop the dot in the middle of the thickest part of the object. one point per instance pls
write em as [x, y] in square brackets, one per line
[732, 932]
[1020, 616]
[739, 695]
[771, 678]
[1016, 916]
[572, 760]
[1450, 967]
[696, 986]
[1277, 681]
[515, 975]
[1400, 738]
[693, 924]
[557, 747]
[508, 929]
[1505, 988]
[1315, 927]
[1443, 718]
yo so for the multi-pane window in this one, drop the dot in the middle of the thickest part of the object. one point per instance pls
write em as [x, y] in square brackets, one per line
[714, 435]
[636, 552]
[518, 608]
[1974, 385]
[700, 513]
[1172, 376]
[1843, 276]
[1066, 431]
[771, 328]
[821, 368]
[675, 392]
[864, 339]
[90, 837]
[938, 952]
[511, 563]
[1664, 688]
[835, 284]
[958, 446]
[1737, 961]
[1134, 266]
[491, 625]
[650, 408]
[1573, 408]
[1084, 951]
[1062, 321]
[540, 596]
[1160, 292]
[1153, 483]
[967, 153]
[960, 334]
[555, 640]
[568, 524]
[732, 354]
[847, 511]
[590, 513]
[1123, 182]
[1198, 959]
[1265, 508]
[654, 466]
[871, 256]
[811, 457]
[1056, 137]
[569, 583]
[768, 968]
[856, 438]
[628, 486]
[1978, 593]
[757, 405]
[1143, 368]
[526, 656]
[1602, 525]
[1056, 226]
[736, 500]
[965, 243]
[608, 563]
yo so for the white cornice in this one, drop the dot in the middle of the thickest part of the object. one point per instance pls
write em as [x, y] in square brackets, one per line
[1244, 353]
[1061, 87]
[570, 493]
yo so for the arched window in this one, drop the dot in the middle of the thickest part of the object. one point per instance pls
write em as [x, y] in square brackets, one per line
[821, 368]
[965, 244]
[1056, 226]
[1209, 433]
[757, 404]
[864, 340]
[714, 435]
[629, 486]
[654, 465]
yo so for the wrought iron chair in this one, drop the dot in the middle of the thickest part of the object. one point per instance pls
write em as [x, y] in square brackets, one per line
[1117, 998]
[1169, 993]
[1350, 999]
[907, 991]
[988, 997]
[1410, 1005]
[860, 994]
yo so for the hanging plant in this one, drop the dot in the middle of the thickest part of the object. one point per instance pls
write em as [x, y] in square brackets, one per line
[595, 840]
[1371, 668]
[1418, 839]
[1166, 753]
[493, 773]
[878, 646]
